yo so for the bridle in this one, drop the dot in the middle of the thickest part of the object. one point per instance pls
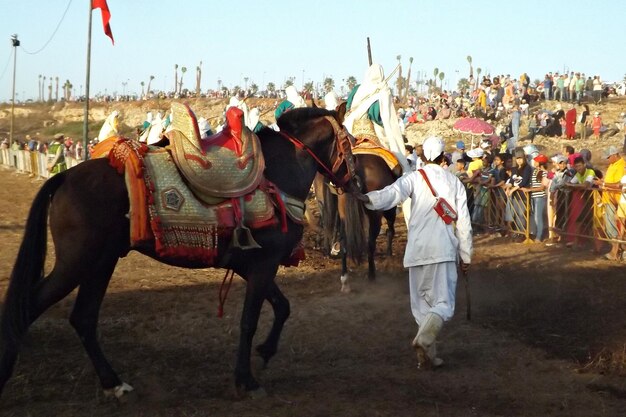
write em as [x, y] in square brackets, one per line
[342, 152]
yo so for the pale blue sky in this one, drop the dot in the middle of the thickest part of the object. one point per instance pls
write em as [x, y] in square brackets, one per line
[272, 40]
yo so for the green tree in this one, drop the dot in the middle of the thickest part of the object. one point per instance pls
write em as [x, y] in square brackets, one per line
[56, 89]
[198, 78]
[142, 89]
[436, 72]
[271, 87]
[149, 82]
[175, 78]
[254, 88]
[408, 79]
[463, 85]
[442, 75]
[329, 84]
[39, 88]
[308, 87]
[400, 80]
[478, 71]
[350, 82]
[67, 90]
[469, 60]
[183, 70]
[288, 82]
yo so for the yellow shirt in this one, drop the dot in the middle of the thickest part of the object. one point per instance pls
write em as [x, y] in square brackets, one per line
[614, 174]
[475, 165]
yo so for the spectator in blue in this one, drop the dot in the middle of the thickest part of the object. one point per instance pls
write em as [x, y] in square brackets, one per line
[547, 88]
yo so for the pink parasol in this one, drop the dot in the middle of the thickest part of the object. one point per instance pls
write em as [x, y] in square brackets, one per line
[473, 126]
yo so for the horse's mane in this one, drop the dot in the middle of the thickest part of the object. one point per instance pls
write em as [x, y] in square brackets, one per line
[293, 118]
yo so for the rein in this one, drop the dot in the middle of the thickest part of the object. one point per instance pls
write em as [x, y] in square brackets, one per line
[344, 153]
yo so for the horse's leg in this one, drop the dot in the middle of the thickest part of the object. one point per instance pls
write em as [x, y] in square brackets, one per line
[345, 285]
[375, 220]
[258, 282]
[84, 319]
[280, 304]
[56, 286]
[390, 217]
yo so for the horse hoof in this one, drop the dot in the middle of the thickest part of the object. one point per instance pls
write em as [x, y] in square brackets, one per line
[257, 393]
[124, 393]
[345, 288]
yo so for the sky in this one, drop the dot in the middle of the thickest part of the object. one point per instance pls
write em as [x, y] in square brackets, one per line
[270, 41]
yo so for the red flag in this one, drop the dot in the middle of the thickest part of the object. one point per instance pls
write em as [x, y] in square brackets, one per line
[106, 16]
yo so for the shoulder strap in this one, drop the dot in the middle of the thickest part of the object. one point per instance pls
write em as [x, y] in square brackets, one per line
[432, 190]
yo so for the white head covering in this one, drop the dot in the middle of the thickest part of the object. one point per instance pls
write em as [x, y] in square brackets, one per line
[331, 100]
[476, 153]
[156, 128]
[204, 127]
[253, 118]
[294, 97]
[109, 127]
[433, 147]
[235, 102]
[375, 88]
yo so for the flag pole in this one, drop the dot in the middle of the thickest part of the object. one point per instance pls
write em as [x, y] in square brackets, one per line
[86, 112]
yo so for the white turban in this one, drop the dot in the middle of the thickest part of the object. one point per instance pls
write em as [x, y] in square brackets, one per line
[331, 100]
[433, 147]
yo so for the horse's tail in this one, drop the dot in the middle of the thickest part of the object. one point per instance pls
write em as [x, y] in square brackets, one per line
[356, 225]
[329, 216]
[29, 266]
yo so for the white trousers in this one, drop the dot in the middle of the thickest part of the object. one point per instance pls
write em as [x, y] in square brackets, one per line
[433, 290]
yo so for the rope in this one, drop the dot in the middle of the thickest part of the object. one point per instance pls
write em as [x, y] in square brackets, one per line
[53, 33]
[7, 64]
[224, 288]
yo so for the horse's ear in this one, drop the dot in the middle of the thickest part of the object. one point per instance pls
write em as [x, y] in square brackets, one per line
[341, 111]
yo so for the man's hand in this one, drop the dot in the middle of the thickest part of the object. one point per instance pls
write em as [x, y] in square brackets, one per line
[361, 197]
[465, 267]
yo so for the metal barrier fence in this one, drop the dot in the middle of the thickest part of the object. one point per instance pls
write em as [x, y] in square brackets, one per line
[33, 163]
[574, 217]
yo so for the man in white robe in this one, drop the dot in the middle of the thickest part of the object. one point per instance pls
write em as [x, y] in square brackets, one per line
[433, 247]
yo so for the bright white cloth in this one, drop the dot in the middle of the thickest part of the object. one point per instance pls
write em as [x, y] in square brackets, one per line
[331, 100]
[204, 127]
[109, 127]
[433, 290]
[253, 118]
[373, 88]
[429, 239]
[295, 98]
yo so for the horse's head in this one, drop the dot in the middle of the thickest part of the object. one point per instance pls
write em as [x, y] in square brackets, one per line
[321, 134]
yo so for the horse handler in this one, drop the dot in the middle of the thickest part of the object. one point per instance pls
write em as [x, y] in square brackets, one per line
[434, 244]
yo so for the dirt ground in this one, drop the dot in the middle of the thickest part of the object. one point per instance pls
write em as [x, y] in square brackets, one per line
[547, 338]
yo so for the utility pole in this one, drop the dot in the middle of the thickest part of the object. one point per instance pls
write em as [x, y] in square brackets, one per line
[16, 43]
[86, 109]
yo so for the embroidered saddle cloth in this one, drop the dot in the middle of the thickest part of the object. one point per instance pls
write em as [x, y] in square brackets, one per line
[364, 145]
[228, 164]
[164, 209]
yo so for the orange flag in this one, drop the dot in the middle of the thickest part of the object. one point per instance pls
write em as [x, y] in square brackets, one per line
[106, 16]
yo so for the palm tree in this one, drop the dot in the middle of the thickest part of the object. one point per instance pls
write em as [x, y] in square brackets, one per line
[56, 89]
[288, 82]
[469, 60]
[350, 82]
[198, 78]
[329, 84]
[254, 88]
[67, 88]
[463, 85]
[50, 90]
[442, 75]
[142, 89]
[408, 78]
[435, 72]
[183, 70]
[271, 87]
[399, 81]
[308, 87]
[175, 78]
[478, 71]
[245, 80]
[43, 85]
[149, 82]
[39, 87]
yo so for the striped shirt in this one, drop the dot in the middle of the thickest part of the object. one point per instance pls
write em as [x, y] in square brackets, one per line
[536, 183]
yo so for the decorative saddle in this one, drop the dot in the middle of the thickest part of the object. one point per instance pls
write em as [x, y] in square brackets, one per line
[225, 165]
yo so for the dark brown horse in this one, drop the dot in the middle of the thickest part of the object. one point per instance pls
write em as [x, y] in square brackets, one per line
[359, 227]
[89, 243]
